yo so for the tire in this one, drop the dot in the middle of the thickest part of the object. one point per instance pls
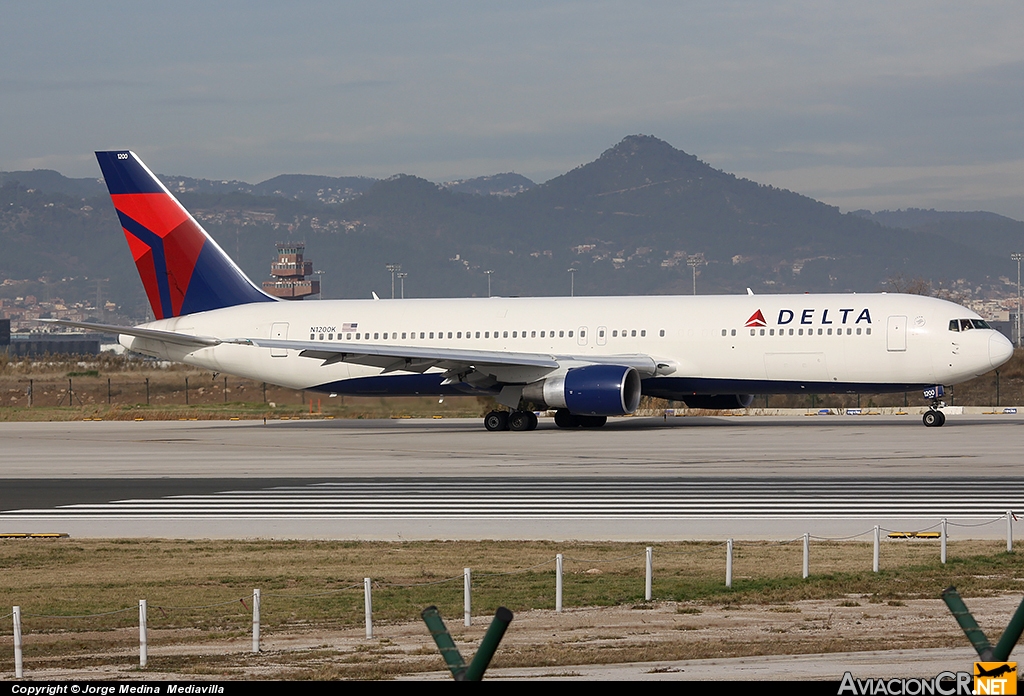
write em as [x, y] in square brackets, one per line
[942, 419]
[933, 418]
[533, 420]
[519, 421]
[496, 420]
[592, 421]
[564, 419]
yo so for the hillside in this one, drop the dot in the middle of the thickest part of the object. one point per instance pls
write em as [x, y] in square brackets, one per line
[626, 221]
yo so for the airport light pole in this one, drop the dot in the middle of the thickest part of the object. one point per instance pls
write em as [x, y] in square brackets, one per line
[321, 275]
[401, 279]
[1017, 258]
[693, 262]
[488, 282]
[572, 282]
[394, 268]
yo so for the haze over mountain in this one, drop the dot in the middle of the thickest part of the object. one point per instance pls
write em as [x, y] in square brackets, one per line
[626, 221]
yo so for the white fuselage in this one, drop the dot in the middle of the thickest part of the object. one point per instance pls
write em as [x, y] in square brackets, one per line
[843, 340]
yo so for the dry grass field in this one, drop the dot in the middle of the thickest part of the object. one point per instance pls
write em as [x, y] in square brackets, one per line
[79, 599]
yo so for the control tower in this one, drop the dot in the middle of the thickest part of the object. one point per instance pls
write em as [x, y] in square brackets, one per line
[290, 272]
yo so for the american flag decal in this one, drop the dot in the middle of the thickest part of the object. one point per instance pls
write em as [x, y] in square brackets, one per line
[349, 327]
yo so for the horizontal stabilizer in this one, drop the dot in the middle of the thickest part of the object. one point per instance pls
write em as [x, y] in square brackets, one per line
[152, 334]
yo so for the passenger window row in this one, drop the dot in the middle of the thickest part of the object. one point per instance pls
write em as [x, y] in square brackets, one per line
[801, 332]
[428, 335]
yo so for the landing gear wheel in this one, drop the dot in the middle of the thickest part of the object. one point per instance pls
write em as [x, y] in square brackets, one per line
[564, 419]
[533, 420]
[496, 420]
[519, 421]
[592, 421]
[933, 418]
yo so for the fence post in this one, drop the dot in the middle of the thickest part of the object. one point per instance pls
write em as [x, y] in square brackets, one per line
[368, 607]
[147, 391]
[18, 671]
[467, 588]
[728, 563]
[649, 579]
[186, 391]
[558, 583]
[874, 564]
[942, 552]
[1009, 531]
[255, 620]
[807, 554]
[30, 385]
[108, 391]
[143, 642]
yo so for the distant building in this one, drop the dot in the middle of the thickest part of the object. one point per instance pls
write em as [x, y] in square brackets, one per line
[36, 344]
[290, 271]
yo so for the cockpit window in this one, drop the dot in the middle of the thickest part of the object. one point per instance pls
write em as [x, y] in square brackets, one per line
[967, 324]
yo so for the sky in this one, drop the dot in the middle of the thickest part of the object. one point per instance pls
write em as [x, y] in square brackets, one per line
[877, 105]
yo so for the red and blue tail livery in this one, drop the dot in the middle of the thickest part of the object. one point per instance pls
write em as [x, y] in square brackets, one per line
[182, 268]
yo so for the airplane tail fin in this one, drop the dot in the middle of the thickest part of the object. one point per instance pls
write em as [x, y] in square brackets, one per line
[182, 268]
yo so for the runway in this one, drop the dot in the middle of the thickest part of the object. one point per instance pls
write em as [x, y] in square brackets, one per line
[638, 479]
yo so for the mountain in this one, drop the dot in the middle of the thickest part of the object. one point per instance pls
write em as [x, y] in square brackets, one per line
[994, 235]
[508, 184]
[54, 182]
[307, 187]
[915, 218]
[627, 223]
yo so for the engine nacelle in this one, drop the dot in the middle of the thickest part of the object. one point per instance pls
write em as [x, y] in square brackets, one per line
[718, 402]
[592, 390]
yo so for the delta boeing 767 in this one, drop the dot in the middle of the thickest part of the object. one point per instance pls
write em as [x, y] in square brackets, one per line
[586, 357]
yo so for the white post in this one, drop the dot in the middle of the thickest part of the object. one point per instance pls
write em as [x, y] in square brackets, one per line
[874, 565]
[728, 563]
[558, 583]
[648, 582]
[943, 551]
[807, 555]
[1009, 531]
[467, 588]
[368, 607]
[143, 641]
[255, 620]
[18, 671]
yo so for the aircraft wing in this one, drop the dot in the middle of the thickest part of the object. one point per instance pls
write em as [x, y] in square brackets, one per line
[153, 334]
[502, 366]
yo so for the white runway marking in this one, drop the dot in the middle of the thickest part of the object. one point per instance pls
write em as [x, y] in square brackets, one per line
[578, 498]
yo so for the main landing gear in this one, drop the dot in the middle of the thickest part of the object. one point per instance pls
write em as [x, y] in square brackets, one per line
[517, 421]
[564, 419]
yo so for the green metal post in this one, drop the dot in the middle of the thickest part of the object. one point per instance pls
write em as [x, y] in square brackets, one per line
[488, 646]
[443, 640]
[1011, 635]
[974, 633]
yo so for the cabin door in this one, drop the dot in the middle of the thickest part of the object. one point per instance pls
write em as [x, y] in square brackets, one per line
[896, 334]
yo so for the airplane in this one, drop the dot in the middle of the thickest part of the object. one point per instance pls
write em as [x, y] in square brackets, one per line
[587, 358]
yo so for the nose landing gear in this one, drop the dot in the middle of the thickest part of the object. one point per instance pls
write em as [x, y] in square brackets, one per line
[933, 417]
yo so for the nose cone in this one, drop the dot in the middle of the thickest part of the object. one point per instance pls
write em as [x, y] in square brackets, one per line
[999, 349]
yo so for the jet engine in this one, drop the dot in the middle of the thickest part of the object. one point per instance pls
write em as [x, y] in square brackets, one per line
[592, 390]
